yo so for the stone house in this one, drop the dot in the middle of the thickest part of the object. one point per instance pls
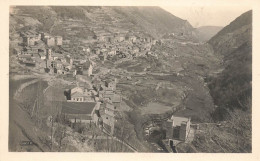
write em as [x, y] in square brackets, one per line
[178, 128]
[110, 84]
[116, 100]
[81, 94]
[50, 41]
[57, 56]
[58, 40]
[30, 41]
[109, 117]
[42, 55]
[96, 51]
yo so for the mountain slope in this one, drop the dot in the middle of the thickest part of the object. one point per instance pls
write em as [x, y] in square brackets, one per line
[149, 20]
[155, 19]
[234, 35]
[232, 88]
[231, 91]
[207, 32]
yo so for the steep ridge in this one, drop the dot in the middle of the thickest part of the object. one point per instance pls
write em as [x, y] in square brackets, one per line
[231, 91]
[232, 88]
[234, 35]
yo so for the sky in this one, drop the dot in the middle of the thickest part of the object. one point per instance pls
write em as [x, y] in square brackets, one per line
[207, 15]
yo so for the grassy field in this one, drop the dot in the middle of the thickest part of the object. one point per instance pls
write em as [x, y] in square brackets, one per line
[21, 127]
[155, 108]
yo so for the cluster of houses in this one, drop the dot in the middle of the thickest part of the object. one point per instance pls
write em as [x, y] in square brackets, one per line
[32, 38]
[85, 103]
[126, 46]
[106, 43]
[93, 104]
[37, 51]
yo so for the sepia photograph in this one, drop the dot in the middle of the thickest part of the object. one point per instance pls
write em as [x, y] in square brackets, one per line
[130, 79]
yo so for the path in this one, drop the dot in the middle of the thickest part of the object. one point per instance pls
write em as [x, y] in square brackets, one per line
[24, 85]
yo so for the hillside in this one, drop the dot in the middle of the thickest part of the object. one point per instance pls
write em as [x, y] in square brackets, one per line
[234, 35]
[232, 87]
[205, 33]
[162, 71]
[231, 91]
[148, 20]
[155, 20]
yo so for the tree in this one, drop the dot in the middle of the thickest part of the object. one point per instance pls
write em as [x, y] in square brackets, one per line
[39, 104]
[55, 111]
[60, 135]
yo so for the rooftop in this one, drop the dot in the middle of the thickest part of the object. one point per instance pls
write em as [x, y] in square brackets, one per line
[78, 107]
[77, 94]
[116, 98]
[178, 120]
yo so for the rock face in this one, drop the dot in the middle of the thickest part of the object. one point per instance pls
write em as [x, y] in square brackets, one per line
[205, 33]
[232, 88]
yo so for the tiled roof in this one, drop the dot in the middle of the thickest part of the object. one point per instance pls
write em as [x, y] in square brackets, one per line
[78, 107]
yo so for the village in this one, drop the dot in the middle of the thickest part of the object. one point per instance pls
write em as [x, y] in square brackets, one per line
[127, 79]
[92, 96]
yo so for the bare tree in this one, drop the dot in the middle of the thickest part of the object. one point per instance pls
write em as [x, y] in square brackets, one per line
[38, 104]
[58, 128]
[56, 106]
[60, 134]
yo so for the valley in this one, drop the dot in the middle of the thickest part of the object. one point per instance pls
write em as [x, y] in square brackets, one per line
[120, 76]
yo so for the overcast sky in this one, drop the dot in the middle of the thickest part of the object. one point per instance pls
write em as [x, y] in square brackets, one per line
[207, 15]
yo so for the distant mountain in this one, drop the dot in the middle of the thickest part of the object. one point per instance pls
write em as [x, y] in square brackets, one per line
[232, 88]
[207, 32]
[149, 20]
